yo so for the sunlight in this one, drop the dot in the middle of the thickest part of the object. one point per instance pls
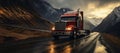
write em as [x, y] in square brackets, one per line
[100, 12]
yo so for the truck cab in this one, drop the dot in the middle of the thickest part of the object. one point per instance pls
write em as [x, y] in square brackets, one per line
[70, 24]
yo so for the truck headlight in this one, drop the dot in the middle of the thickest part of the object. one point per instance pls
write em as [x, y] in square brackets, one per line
[53, 28]
[68, 28]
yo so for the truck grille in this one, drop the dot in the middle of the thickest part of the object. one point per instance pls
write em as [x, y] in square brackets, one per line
[60, 25]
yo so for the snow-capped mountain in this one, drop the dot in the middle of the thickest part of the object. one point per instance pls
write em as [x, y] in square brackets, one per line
[111, 23]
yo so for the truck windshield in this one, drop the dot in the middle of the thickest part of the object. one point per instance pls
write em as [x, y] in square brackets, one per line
[68, 18]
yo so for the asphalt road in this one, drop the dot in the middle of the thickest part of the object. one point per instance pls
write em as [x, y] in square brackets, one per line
[48, 45]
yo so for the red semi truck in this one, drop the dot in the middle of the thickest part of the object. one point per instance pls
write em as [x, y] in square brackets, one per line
[70, 24]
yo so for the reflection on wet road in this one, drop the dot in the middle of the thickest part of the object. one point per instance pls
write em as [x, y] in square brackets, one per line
[100, 48]
[81, 45]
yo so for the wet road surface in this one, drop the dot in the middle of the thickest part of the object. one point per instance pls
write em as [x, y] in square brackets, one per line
[48, 45]
[100, 48]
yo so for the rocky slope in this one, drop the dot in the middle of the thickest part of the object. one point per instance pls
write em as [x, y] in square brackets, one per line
[21, 13]
[19, 20]
[111, 23]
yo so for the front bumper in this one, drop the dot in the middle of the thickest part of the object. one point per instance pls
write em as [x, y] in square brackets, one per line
[61, 33]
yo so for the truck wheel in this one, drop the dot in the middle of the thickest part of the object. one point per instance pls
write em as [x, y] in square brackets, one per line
[56, 37]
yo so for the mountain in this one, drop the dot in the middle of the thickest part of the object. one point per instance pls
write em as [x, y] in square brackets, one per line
[88, 25]
[111, 23]
[21, 13]
[20, 20]
[95, 21]
[45, 9]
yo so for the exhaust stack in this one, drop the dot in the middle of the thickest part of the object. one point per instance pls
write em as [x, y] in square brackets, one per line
[82, 20]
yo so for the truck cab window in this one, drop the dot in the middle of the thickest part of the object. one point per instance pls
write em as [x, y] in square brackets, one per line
[68, 18]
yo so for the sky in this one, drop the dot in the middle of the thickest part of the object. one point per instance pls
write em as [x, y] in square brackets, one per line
[91, 8]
